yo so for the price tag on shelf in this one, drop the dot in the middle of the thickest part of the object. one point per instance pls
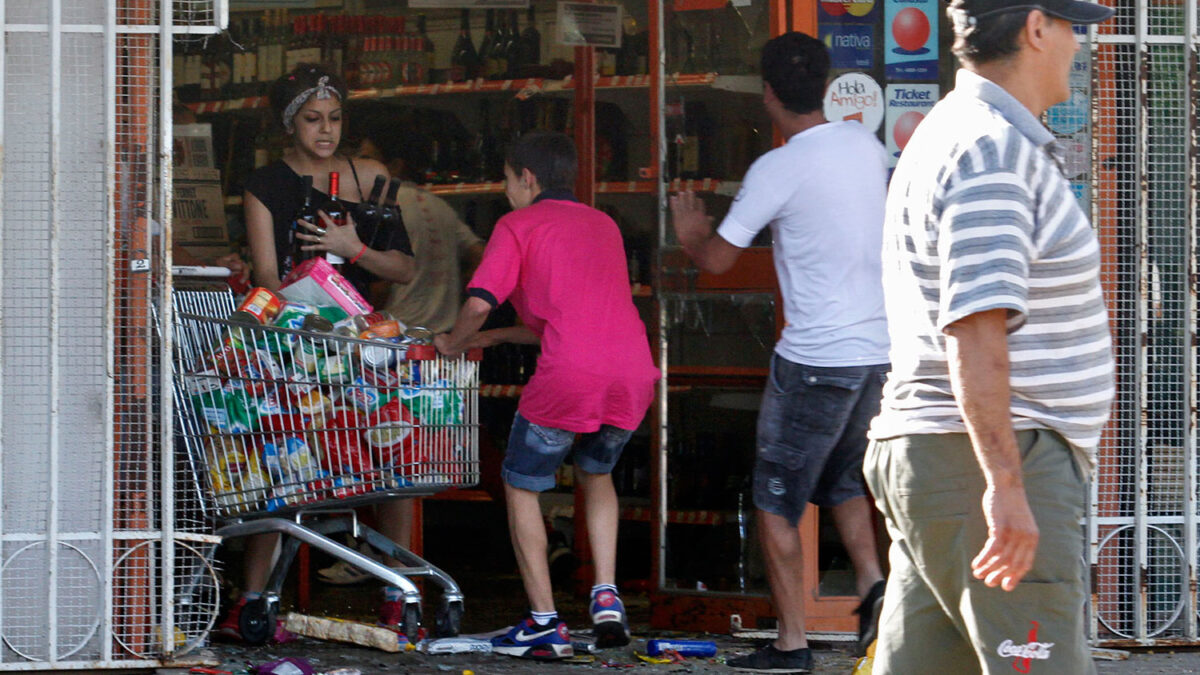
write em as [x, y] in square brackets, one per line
[585, 24]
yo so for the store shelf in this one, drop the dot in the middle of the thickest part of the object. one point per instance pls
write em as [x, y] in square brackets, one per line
[728, 188]
[522, 89]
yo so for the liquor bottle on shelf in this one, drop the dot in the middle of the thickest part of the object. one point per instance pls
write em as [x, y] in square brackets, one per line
[262, 48]
[512, 47]
[308, 212]
[333, 51]
[250, 82]
[427, 50]
[396, 54]
[336, 211]
[487, 46]
[411, 56]
[239, 37]
[500, 50]
[292, 53]
[632, 56]
[464, 60]
[531, 40]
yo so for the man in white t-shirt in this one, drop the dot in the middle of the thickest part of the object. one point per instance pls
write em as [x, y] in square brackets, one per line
[822, 195]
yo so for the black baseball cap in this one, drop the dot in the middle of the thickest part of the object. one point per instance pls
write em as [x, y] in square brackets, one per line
[1075, 11]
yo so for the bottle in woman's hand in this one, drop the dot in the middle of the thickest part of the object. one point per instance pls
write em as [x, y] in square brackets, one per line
[308, 212]
[337, 213]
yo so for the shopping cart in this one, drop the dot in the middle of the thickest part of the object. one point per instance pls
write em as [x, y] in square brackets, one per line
[286, 431]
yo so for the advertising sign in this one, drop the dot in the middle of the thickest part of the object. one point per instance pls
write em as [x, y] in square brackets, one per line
[907, 105]
[855, 96]
[910, 46]
[851, 46]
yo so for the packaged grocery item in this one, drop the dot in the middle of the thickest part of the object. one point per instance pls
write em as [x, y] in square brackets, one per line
[250, 369]
[364, 321]
[382, 354]
[259, 307]
[207, 397]
[365, 396]
[382, 329]
[335, 368]
[338, 440]
[292, 314]
[434, 403]
[237, 476]
[307, 354]
[316, 282]
[395, 438]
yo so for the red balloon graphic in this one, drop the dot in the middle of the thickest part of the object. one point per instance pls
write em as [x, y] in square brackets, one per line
[910, 29]
[905, 125]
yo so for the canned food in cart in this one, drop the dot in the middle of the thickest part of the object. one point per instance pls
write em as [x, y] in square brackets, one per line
[395, 437]
[382, 355]
[293, 314]
[307, 354]
[258, 307]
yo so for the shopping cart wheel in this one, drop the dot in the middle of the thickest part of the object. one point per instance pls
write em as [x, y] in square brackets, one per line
[412, 621]
[450, 619]
[257, 621]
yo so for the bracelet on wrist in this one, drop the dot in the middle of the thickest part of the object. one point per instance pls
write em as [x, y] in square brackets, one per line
[361, 251]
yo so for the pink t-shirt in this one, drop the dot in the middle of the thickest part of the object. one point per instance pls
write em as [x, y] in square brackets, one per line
[562, 265]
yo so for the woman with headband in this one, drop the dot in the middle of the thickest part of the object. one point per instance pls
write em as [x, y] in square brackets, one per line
[308, 103]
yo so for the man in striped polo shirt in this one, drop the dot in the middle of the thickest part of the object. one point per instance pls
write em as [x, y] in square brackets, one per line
[1002, 371]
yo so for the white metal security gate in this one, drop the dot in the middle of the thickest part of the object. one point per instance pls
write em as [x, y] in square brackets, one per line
[99, 566]
[1139, 131]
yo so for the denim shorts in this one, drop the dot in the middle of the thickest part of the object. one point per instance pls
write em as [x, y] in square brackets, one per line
[535, 453]
[812, 435]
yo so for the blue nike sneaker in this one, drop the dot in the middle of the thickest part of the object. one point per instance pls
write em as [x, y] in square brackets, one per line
[529, 640]
[609, 620]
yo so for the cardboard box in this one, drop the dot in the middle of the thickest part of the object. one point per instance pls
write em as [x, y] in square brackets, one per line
[198, 209]
[315, 282]
[193, 147]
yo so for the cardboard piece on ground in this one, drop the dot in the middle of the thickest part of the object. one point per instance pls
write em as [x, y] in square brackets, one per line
[339, 630]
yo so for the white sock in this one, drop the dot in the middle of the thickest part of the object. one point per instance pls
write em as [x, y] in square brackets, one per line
[604, 587]
[543, 618]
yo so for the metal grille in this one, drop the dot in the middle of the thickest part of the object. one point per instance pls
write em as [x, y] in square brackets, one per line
[88, 551]
[1142, 525]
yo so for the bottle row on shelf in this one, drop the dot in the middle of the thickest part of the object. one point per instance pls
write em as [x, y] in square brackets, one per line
[378, 51]
[720, 187]
[521, 88]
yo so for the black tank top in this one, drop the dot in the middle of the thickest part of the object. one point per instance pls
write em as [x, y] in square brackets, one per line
[281, 190]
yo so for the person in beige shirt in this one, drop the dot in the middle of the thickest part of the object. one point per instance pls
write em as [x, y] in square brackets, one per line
[442, 245]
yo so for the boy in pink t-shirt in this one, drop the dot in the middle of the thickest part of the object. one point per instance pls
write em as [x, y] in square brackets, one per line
[562, 265]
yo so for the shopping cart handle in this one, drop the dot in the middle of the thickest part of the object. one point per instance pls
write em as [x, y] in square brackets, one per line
[200, 271]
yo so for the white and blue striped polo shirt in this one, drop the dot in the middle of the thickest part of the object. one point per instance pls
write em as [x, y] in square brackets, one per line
[980, 217]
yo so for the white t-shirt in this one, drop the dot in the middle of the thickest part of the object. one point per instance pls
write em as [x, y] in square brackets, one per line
[823, 194]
